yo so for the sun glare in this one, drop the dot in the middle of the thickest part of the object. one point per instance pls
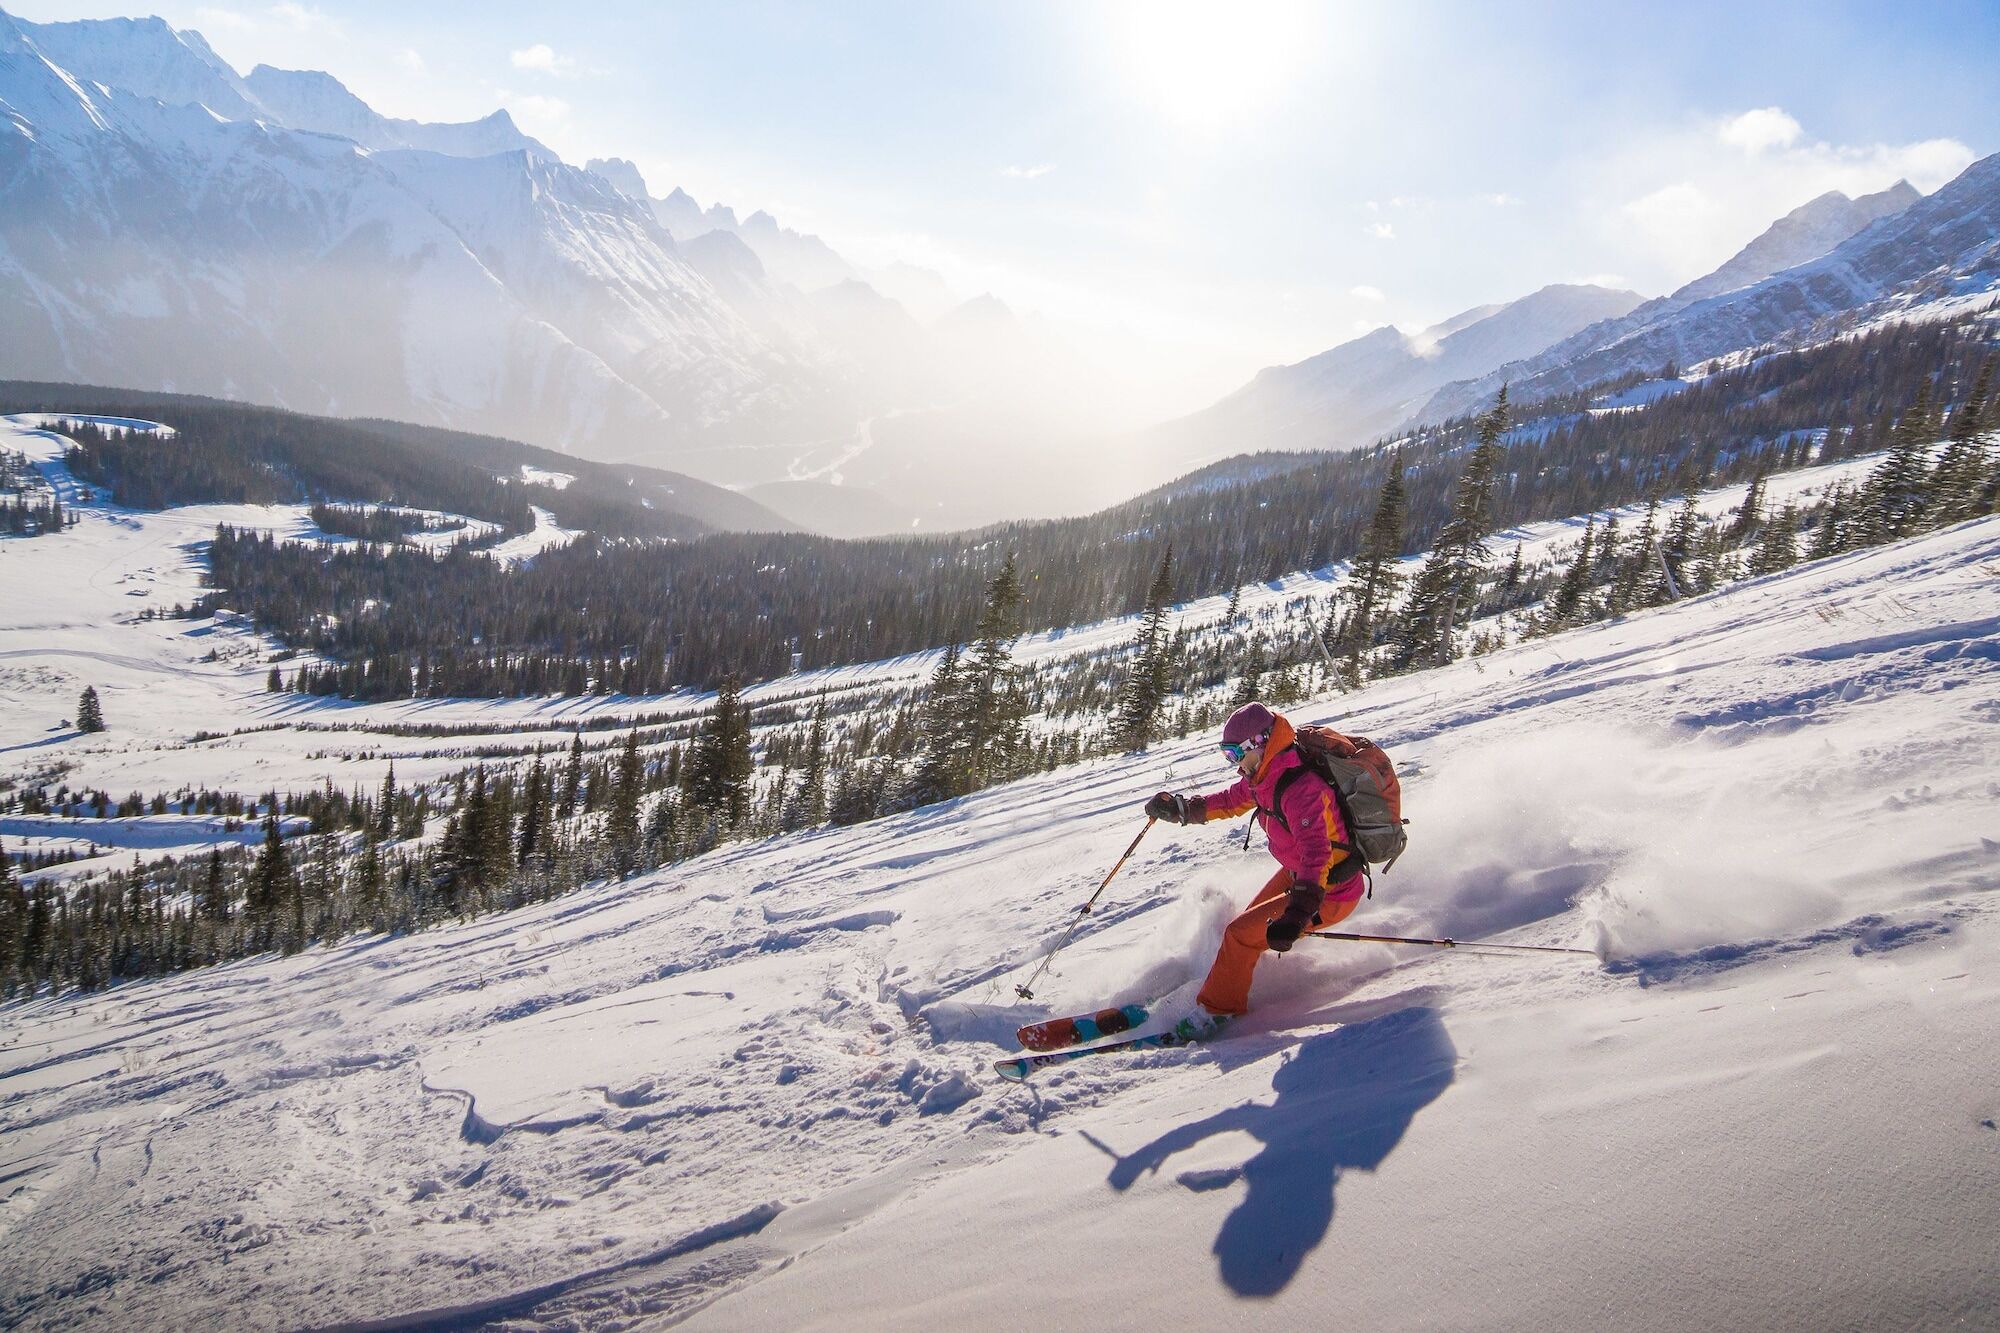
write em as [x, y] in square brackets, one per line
[1208, 65]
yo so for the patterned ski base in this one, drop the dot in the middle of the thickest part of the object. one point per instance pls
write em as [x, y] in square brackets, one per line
[1185, 1033]
[1052, 1034]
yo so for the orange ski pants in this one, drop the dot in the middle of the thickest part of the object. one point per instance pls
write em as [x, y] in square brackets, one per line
[1227, 990]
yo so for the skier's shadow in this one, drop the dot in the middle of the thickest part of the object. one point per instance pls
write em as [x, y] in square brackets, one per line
[1343, 1102]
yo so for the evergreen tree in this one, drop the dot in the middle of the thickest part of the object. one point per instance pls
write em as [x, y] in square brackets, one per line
[1829, 538]
[572, 779]
[718, 770]
[941, 774]
[1636, 562]
[1150, 682]
[213, 903]
[995, 707]
[535, 812]
[1446, 589]
[1563, 604]
[1778, 548]
[1898, 490]
[1678, 550]
[807, 808]
[273, 886]
[1751, 512]
[89, 715]
[1375, 575]
[621, 826]
[275, 682]
[385, 805]
[1956, 481]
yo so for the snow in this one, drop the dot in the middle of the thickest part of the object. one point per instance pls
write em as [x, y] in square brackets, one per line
[753, 1090]
[535, 476]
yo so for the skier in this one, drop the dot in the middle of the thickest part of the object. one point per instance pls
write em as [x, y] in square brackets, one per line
[1320, 883]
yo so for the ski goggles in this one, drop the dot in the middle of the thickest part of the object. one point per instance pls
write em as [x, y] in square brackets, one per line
[1237, 749]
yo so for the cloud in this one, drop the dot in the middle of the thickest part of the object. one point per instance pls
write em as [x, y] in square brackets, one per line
[303, 18]
[1761, 130]
[1367, 293]
[1382, 231]
[1679, 203]
[1027, 173]
[541, 57]
[1499, 200]
[537, 113]
[410, 60]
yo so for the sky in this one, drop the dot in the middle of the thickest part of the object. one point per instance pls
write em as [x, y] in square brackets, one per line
[1245, 184]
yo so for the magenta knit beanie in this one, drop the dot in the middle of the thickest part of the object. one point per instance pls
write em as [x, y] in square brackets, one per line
[1247, 724]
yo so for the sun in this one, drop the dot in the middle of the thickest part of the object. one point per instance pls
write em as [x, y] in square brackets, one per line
[1206, 65]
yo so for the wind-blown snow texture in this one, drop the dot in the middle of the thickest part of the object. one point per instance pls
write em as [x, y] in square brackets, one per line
[752, 1090]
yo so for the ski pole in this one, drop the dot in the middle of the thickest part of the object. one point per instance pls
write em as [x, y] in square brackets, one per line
[1026, 989]
[1478, 945]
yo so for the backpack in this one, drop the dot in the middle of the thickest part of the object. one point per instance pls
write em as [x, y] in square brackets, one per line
[1365, 789]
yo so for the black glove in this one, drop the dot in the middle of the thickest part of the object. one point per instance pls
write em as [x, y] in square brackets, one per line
[1165, 805]
[1301, 909]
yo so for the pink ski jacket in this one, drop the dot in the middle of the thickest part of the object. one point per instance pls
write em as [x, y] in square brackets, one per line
[1303, 839]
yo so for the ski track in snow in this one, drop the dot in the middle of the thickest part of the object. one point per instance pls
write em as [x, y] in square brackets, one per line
[753, 1090]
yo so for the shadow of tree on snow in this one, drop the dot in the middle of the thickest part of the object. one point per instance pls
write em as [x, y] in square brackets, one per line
[1343, 1103]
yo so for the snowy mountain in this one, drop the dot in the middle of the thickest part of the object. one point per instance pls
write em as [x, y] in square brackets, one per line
[1355, 392]
[754, 1089]
[804, 261]
[157, 245]
[152, 59]
[1943, 246]
[1805, 233]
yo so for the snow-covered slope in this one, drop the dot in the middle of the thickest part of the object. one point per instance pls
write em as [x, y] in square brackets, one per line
[753, 1090]
[1943, 246]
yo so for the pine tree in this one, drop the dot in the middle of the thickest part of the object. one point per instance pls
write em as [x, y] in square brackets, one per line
[1751, 512]
[996, 710]
[89, 715]
[572, 779]
[621, 827]
[718, 771]
[807, 808]
[1636, 561]
[275, 682]
[1898, 490]
[1564, 602]
[1446, 590]
[535, 813]
[1678, 550]
[1778, 548]
[1829, 537]
[1375, 576]
[941, 772]
[273, 886]
[1955, 482]
[1147, 687]
[385, 805]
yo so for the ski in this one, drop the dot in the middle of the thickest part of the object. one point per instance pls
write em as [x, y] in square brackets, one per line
[1052, 1034]
[1185, 1033]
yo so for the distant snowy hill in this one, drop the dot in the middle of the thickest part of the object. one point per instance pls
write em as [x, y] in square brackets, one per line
[1355, 392]
[1899, 260]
